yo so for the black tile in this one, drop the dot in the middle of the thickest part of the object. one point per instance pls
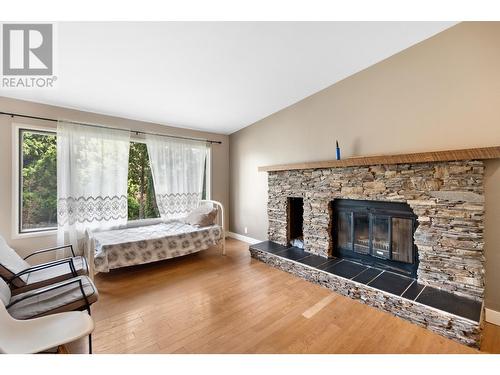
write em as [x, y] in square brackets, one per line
[367, 275]
[293, 253]
[313, 260]
[451, 303]
[269, 246]
[330, 262]
[413, 291]
[346, 269]
[391, 283]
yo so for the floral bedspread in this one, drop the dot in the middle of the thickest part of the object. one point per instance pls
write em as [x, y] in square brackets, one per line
[150, 243]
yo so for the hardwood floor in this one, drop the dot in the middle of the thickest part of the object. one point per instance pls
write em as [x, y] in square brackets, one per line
[208, 303]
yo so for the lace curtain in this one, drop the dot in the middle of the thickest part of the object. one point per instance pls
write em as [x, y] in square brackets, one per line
[178, 167]
[92, 172]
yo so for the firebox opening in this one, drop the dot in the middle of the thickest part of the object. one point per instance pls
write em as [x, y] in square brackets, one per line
[379, 234]
[295, 221]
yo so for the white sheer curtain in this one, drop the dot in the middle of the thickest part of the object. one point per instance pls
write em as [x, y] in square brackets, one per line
[92, 172]
[178, 167]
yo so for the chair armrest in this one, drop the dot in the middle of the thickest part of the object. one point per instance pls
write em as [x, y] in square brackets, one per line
[52, 249]
[50, 288]
[45, 266]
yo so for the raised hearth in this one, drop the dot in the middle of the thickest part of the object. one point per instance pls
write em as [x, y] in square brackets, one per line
[445, 313]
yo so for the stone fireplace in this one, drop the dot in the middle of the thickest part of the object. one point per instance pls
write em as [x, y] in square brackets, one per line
[403, 233]
[447, 199]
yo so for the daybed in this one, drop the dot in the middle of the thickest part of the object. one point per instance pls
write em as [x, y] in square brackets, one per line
[135, 245]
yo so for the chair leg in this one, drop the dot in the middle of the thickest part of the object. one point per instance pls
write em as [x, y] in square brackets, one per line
[90, 335]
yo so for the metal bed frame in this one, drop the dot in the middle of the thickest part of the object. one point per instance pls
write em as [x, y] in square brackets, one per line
[220, 215]
[90, 245]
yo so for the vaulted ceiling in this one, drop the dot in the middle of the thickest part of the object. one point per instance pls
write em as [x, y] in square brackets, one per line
[212, 76]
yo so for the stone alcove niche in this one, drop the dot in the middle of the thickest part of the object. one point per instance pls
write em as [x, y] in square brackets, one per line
[295, 221]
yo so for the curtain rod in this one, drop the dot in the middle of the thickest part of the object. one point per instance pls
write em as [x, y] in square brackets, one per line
[108, 127]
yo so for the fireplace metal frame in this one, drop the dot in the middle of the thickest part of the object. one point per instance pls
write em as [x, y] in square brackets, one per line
[374, 209]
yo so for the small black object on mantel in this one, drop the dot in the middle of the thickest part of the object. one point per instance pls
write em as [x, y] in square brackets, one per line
[338, 149]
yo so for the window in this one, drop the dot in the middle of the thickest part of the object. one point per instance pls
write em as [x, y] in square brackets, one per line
[141, 193]
[37, 171]
[37, 181]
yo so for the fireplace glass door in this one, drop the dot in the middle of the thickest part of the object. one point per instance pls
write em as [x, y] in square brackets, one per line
[361, 233]
[377, 233]
[345, 229]
[402, 244]
[380, 237]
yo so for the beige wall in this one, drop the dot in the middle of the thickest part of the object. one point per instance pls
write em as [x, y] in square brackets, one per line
[443, 93]
[220, 161]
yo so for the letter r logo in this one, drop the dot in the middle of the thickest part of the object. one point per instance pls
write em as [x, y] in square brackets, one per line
[27, 49]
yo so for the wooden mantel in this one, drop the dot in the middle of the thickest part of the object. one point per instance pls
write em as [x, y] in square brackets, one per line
[420, 157]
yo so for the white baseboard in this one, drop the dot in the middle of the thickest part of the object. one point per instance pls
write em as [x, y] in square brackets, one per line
[240, 237]
[492, 316]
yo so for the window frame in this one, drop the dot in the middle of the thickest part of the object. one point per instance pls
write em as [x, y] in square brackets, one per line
[17, 232]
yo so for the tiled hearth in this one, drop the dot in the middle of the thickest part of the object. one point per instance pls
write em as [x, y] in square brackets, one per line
[450, 315]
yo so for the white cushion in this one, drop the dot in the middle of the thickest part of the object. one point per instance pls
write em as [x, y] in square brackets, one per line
[65, 298]
[62, 270]
[4, 292]
[10, 262]
[202, 216]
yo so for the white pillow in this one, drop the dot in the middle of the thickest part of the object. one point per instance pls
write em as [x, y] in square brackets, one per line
[202, 216]
[4, 292]
[10, 262]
